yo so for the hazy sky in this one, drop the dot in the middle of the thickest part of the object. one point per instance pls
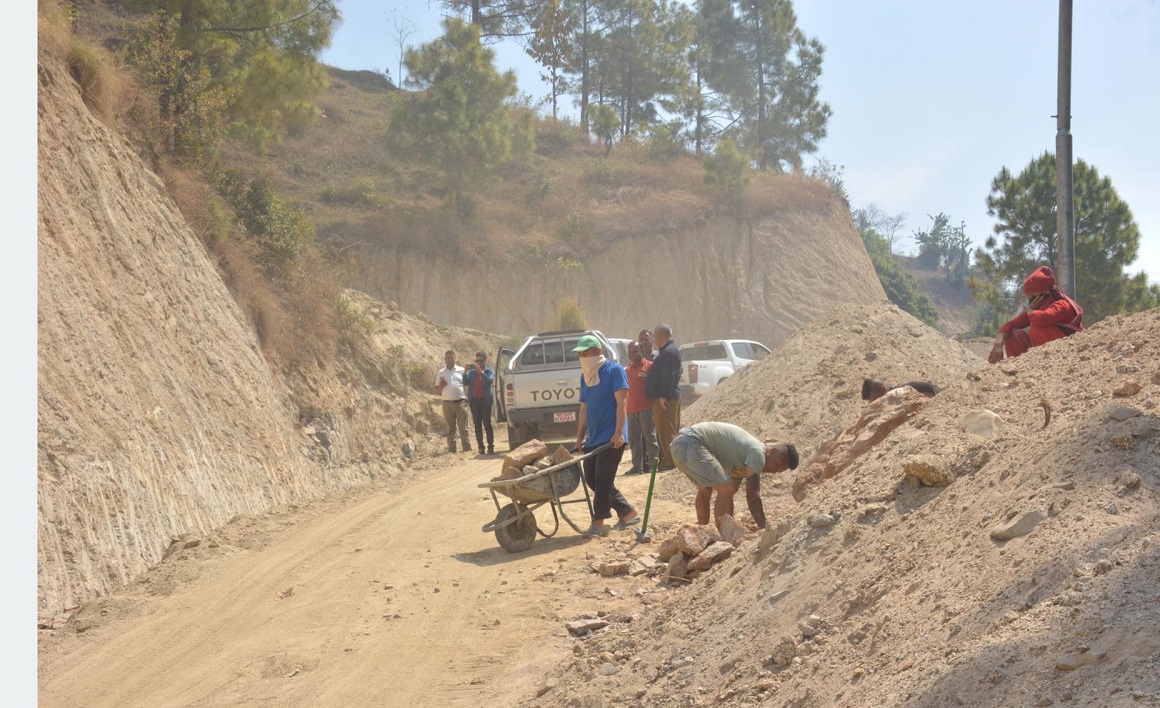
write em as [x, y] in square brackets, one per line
[930, 98]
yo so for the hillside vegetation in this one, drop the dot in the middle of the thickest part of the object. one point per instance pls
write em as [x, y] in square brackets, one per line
[565, 199]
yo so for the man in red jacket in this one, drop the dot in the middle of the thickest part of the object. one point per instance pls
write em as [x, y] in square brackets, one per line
[1051, 315]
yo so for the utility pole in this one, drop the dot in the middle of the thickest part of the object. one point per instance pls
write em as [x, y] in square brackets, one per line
[1064, 201]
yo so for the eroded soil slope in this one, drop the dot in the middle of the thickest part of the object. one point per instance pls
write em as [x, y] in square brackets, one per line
[158, 416]
[157, 412]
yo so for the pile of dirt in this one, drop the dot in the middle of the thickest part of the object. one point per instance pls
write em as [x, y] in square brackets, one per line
[1030, 578]
[811, 387]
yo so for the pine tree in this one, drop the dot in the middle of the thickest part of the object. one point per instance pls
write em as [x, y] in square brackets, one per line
[769, 71]
[460, 117]
[260, 57]
[1106, 237]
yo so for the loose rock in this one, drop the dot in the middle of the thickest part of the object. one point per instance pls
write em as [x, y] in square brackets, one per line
[927, 470]
[715, 553]
[668, 549]
[1122, 413]
[615, 568]
[1021, 525]
[693, 538]
[549, 685]
[584, 626]
[983, 423]
[820, 521]
[1128, 389]
[731, 531]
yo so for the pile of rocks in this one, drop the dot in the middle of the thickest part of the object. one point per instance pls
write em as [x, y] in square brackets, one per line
[530, 457]
[695, 548]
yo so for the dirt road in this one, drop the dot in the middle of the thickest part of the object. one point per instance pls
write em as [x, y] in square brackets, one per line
[389, 598]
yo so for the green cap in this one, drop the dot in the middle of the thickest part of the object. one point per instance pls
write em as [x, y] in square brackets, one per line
[587, 342]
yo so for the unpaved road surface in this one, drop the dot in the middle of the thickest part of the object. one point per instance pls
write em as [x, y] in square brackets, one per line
[392, 597]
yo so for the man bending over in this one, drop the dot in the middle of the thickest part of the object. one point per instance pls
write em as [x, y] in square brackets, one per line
[717, 456]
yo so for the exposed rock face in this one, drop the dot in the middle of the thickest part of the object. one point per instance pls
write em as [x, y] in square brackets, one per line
[716, 281]
[157, 415]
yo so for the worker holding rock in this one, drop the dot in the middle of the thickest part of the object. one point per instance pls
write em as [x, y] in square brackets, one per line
[717, 456]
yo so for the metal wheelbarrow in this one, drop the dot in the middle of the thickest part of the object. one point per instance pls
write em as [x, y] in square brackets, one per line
[515, 523]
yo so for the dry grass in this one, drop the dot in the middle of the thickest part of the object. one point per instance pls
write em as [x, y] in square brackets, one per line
[53, 27]
[91, 65]
[293, 310]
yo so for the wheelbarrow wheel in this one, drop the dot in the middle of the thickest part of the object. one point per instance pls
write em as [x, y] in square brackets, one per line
[518, 536]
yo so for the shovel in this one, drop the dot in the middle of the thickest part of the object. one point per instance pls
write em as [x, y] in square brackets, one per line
[643, 536]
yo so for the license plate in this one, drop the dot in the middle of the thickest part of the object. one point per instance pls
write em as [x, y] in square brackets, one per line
[565, 417]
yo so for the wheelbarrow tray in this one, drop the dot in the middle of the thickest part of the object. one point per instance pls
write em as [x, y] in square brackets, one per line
[543, 485]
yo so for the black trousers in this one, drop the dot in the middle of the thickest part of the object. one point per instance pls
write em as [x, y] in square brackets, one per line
[481, 414]
[600, 476]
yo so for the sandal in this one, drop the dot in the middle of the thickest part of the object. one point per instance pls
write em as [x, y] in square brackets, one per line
[596, 531]
[622, 524]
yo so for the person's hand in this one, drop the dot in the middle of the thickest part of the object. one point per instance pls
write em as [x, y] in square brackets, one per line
[996, 354]
[580, 442]
[618, 439]
[664, 404]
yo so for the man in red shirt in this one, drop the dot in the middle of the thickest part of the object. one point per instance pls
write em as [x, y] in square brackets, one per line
[642, 434]
[1051, 315]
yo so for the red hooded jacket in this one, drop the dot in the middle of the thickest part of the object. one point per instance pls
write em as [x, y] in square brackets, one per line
[1055, 318]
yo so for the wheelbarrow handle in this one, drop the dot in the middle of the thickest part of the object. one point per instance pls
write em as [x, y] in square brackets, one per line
[590, 453]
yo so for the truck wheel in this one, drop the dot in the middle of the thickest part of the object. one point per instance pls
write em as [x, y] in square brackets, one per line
[515, 436]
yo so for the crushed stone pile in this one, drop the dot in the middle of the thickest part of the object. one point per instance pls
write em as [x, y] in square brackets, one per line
[1017, 564]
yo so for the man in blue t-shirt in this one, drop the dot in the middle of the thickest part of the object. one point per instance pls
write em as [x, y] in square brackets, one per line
[603, 393]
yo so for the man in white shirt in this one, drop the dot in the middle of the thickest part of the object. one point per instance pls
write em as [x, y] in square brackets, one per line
[449, 384]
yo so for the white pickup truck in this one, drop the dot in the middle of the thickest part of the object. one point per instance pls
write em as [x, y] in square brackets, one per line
[706, 364]
[537, 387]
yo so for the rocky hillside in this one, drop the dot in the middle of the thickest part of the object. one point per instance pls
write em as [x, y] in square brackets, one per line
[157, 415]
[981, 554]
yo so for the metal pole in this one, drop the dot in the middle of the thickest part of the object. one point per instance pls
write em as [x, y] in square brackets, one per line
[1064, 200]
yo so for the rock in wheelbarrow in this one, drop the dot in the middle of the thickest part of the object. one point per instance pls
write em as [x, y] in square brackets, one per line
[525, 454]
[560, 455]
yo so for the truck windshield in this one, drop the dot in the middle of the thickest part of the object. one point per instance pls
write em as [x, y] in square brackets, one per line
[704, 352]
[533, 355]
[570, 356]
[554, 352]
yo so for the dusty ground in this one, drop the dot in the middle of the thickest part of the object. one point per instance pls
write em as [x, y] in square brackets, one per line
[397, 598]
[873, 591]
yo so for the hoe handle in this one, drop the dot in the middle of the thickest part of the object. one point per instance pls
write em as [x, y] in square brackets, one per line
[648, 501]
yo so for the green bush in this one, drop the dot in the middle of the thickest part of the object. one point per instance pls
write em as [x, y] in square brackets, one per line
[569, 314]
[727, 170]
[900, 286]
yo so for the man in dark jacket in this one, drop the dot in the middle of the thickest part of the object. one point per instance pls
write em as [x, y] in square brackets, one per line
[477, 384]
[661, 386]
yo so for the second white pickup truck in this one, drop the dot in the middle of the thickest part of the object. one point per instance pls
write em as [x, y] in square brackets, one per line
[706, 364]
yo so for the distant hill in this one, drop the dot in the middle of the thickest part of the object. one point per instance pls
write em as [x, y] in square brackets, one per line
[956, 307]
